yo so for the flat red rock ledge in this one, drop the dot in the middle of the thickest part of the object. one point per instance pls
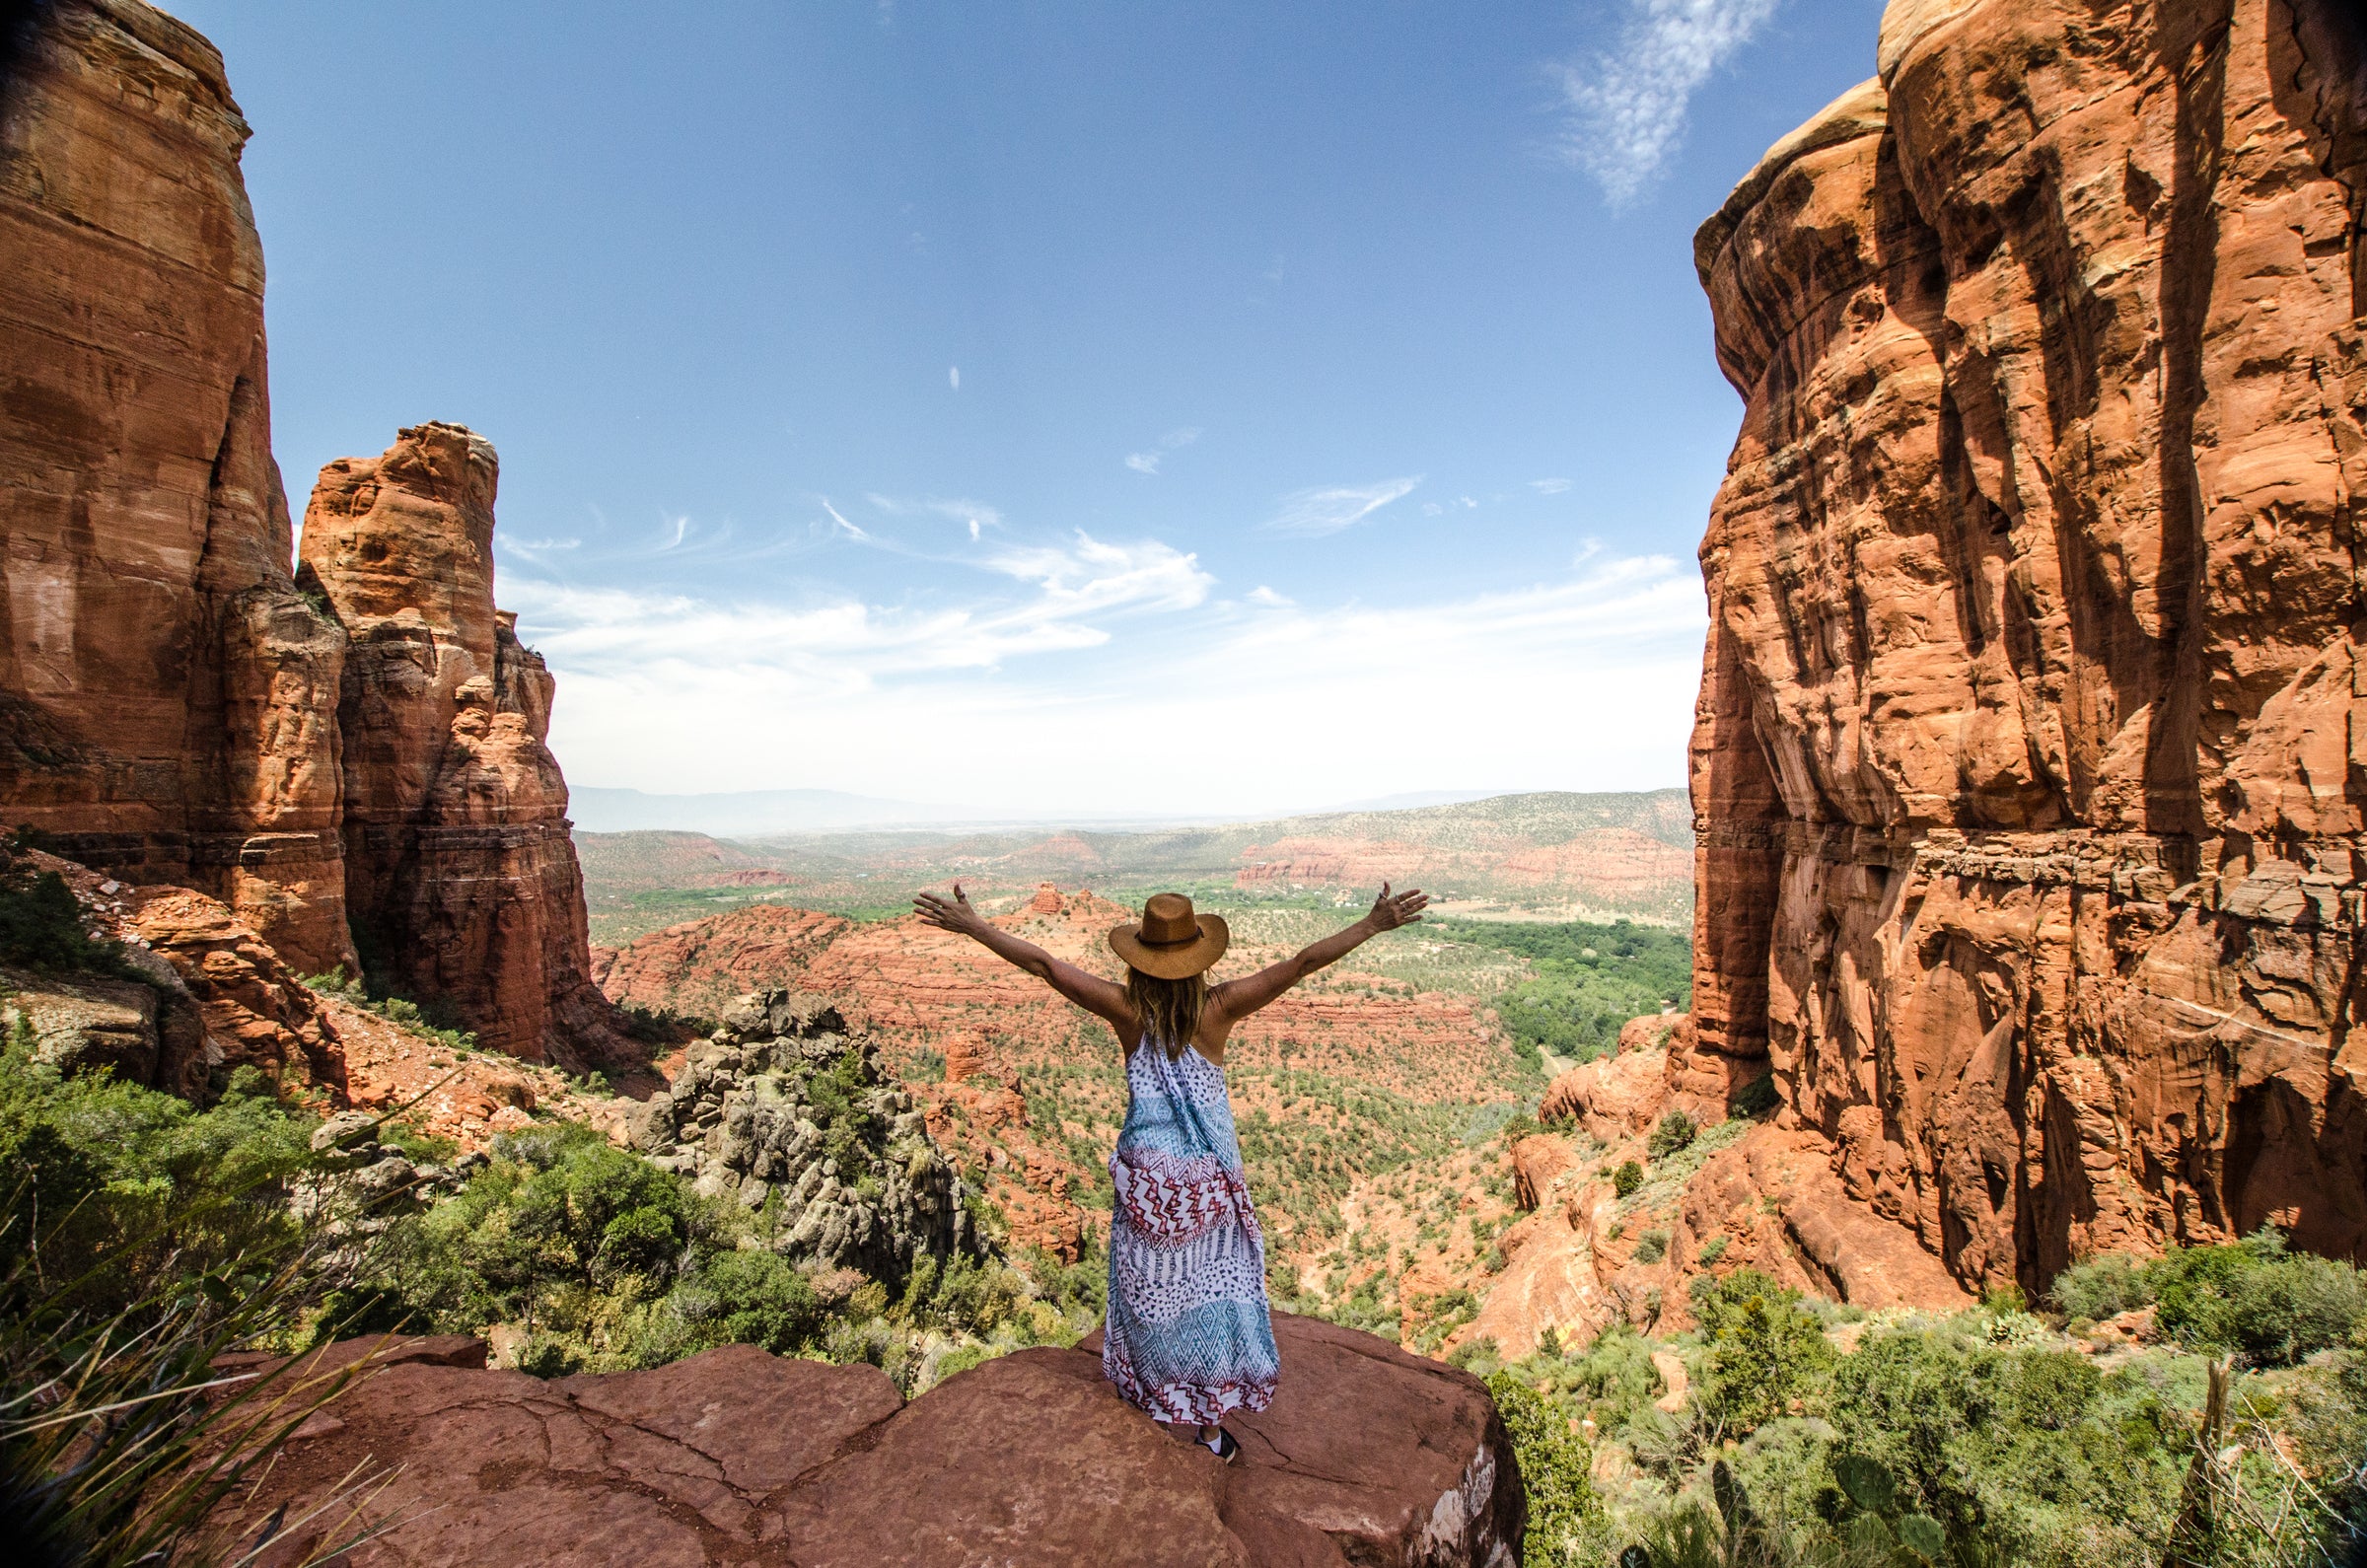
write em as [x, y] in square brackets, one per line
[1369, 1456]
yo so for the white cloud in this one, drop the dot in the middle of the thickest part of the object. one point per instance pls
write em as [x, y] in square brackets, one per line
[844, 526]
[1328, 509]
[1173, 441]
[1626, 107]
[952, 376]
[543, 545]
[1548, 486]
[1059, 701]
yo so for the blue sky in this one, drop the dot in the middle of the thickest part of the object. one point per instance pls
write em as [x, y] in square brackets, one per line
[1095, 409]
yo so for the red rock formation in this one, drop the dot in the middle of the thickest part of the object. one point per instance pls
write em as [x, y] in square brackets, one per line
[166, 695]
[1368, 1455]
[462, 882]
[697, 967]
[2028, 770]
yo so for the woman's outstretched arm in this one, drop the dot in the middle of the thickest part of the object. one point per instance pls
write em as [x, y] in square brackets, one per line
[1102, 998]
[1240, 998]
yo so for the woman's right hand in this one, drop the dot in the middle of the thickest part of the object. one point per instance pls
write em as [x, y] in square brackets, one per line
[954, 914]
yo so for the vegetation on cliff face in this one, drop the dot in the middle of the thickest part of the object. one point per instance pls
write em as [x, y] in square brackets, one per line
[1811, 1435]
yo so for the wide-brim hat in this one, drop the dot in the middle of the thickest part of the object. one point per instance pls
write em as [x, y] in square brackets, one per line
[1169, 941]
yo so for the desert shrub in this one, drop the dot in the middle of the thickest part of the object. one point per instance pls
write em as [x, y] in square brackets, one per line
[1615, 1375]
[2103, 1286]
[1652, 1247]
[1711, 1251]
[741, 1297]
[1764, 1348]
[1755, 1098]
[2255, 1298]
[1627, 1178]
[1586, 980]
[41, 924]
[1554, 1468]
[117, 1191]
[1675, 1131]
[2033, 1454]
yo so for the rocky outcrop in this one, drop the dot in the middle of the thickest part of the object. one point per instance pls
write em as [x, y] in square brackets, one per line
[2027, 768]
[1368, 1455]
[461, 883]
[783, 1101]
[167, 696]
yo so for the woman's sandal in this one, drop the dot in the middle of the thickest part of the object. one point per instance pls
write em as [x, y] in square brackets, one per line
[1223, 1448]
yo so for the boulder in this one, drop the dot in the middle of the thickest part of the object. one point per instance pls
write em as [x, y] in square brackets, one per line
[1369, 1456]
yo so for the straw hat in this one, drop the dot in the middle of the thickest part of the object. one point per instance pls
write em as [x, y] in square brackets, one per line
[1170, 941]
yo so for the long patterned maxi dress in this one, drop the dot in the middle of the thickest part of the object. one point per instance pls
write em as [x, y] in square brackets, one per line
[1188, 1337]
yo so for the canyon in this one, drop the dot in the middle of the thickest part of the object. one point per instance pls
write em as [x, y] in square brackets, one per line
[2027, 802]
[349, 757]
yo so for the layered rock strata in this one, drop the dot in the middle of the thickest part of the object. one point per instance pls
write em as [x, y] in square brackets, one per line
[2031, 758]
[167, 697]
[461, 883]
[782, 1100]
[1368, 1455]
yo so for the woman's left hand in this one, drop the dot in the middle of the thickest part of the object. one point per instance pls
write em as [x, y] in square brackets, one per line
[954, 914]
[1392, 910]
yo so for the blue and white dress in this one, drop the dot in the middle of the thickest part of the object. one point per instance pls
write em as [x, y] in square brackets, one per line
[1188, 1337]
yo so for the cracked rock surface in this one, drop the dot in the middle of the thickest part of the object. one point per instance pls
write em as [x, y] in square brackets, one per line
[1369, 1456]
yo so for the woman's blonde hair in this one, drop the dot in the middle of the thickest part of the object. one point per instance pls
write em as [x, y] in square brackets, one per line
[1169, 1009]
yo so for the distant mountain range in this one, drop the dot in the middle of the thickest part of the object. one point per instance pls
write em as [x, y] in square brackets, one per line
[1545, 855]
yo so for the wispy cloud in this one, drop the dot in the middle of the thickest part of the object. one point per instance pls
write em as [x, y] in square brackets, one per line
[544, 544]
[1548, 486]
[1328, 509]
[845, 527]
[976, 513]
[952, 376]
[1626, 107]
[1174, 441]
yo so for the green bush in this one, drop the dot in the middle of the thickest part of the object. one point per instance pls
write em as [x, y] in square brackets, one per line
[1675, 1131]
[1652, 1247]
[41, 925]
[1755, 1098]
[1764, 1348]
[1554, 1467]
[2252, 1298]
[2031, 1453]
[2256, 1300]
[1627, 1178]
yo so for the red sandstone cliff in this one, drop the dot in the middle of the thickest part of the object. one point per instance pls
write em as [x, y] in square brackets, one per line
[167, 697]
[172, 707]
[2031, 758]
[462, 886]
